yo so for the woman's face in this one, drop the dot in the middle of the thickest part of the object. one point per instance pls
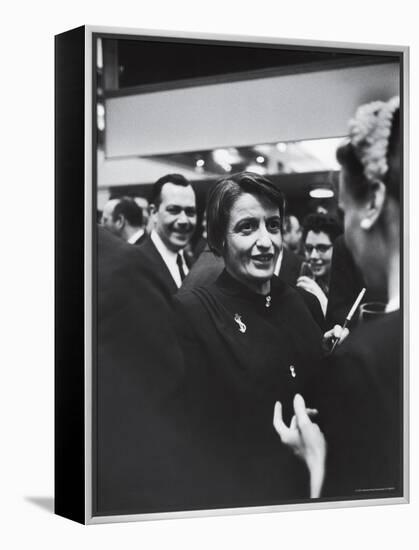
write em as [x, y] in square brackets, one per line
[253, 241]
[318, 250]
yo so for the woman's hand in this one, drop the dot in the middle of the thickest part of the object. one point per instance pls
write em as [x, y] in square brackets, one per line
[336, 333]
[310, 285]
[306, 440]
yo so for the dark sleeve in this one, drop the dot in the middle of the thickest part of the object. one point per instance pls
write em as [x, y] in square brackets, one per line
[361, 418]
[314, 307]
[290, 267]
[346, 419]
[203, 272]
[192, 332]
[138, 439]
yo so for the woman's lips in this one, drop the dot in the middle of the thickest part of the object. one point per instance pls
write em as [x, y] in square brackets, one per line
[263, 258]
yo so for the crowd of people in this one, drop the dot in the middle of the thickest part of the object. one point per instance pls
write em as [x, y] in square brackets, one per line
[199, 351]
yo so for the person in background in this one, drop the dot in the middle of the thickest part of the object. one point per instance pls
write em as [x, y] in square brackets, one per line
[142, 450]
[346, 281]
[319, 234]
[124, 218]
[292, 234]
[173, 210]
[145, 207]
[362, 383]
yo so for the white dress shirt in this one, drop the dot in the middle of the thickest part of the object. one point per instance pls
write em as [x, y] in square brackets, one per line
[169, 258]
[279, 262]
[135, 236]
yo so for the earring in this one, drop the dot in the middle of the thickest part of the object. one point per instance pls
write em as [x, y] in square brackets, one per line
[365, 224]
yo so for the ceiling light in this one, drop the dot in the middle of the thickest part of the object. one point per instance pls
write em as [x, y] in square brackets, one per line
[321, 193]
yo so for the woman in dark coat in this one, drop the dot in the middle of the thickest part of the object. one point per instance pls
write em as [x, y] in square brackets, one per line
[248, 339]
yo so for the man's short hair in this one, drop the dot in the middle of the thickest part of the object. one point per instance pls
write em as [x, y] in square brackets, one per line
[321, 223]
[176, 179]
[128, 208]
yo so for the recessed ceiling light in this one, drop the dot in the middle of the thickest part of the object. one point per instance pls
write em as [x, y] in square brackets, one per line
[321, 193]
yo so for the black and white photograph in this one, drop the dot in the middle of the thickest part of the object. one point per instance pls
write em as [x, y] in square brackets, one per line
[247, 207]
[210, 254]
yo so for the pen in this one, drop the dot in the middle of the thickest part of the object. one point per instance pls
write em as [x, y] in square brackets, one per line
[349, 317]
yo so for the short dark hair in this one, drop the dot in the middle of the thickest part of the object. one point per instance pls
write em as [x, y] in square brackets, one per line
[348, 158]
[127, 207]
[321, 223]
[176, 179]
[225, 193]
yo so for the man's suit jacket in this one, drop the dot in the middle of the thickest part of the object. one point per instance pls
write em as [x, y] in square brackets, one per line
[141, 239]
[142, 450]
[162, 277]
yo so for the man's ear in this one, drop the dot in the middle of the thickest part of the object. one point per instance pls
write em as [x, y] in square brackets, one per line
[152, 209]
[374, 205]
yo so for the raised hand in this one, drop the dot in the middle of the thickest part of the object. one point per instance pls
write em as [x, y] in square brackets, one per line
[305, 438]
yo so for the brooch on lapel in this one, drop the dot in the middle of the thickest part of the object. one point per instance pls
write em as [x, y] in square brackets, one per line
[292, 371]
[238, 319]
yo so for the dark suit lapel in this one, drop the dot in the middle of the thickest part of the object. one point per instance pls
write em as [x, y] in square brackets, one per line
[157, 263]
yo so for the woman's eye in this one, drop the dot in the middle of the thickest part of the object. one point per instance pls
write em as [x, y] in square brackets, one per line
[274, 225]
[246, 227]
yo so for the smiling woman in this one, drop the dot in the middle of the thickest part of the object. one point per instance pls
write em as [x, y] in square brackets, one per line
[248, 339]
[319, 234]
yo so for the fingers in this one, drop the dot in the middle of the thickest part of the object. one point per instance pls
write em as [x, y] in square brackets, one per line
[278, 421]
[304, 279]
[345, 333]
[305, 282]
[329, 334]
[337, 331]
[300, 410]
[334, 336]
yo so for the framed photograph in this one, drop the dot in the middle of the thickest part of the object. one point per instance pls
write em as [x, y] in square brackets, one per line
[231, 293]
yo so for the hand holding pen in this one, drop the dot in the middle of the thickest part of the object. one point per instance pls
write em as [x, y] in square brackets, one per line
[336, 339]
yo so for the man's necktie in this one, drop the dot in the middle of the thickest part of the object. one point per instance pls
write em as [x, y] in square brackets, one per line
[179, 262]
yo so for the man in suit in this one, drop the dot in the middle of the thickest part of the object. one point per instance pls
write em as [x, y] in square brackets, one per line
[173, 209]
[124, 218]
[143, 454]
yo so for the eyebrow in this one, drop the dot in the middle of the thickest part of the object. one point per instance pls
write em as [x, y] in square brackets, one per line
[255, 218]
[172, 204]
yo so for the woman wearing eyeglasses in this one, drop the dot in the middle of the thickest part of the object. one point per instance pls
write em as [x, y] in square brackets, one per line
[319, 234]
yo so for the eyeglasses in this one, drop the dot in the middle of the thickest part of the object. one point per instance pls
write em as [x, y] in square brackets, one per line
[320, 248]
